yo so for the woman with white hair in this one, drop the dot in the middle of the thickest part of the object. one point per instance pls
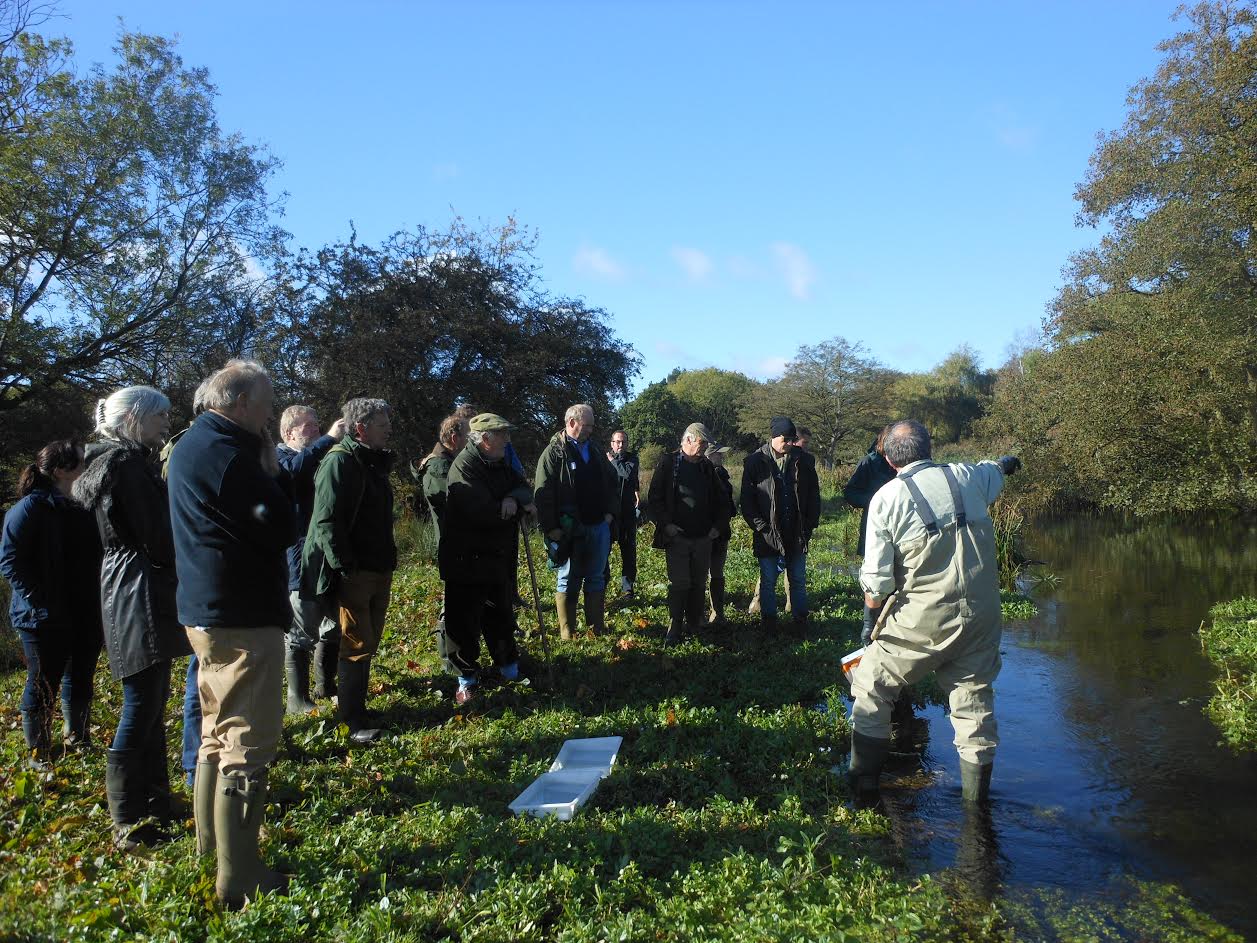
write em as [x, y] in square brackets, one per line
[121, 484]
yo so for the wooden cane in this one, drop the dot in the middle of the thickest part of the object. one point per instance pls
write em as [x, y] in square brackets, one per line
[536, 599]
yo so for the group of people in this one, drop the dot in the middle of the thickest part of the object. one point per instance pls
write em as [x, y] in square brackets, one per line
[262, 559]
[583, 501]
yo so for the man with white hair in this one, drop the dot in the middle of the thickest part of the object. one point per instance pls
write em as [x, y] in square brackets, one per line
[930, 545]
[577, 499]
[350, 554]
[232, 515]
[301, 450]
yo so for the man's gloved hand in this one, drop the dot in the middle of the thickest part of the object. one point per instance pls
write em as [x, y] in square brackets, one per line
[1009, 464]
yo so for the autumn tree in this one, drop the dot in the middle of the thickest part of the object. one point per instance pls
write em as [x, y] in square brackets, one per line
[1146, 397]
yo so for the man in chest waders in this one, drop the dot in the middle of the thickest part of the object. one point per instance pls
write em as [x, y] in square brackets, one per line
[931, 543]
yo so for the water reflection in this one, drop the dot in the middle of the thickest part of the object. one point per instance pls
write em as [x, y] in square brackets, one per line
[1107, 767]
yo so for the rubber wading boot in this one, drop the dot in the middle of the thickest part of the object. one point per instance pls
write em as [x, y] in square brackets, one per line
[297, 667]
[352, 682]
[238, 805]
[595, 610]
[326, 657]
[868, 756]
[567, 615]
[676, 616]
[203, 790]
[37, 729]
[798, 622]
[161, 802]
[76, 724]
[975, 781]
[126, 792]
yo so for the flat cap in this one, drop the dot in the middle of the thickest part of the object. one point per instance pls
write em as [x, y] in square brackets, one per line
[489, 422]
[696, 430]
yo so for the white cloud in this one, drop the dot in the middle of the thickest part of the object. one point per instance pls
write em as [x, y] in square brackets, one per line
[696, 263]
[591, 260]
[772, 366]
[796, 268]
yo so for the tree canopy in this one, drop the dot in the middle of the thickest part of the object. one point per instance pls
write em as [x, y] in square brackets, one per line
[1146, 396]
[430, 319]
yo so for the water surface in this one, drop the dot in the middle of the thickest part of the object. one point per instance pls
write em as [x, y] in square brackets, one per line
[1107, 767]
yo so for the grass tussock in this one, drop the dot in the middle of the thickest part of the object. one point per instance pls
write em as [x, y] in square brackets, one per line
[1230, 641]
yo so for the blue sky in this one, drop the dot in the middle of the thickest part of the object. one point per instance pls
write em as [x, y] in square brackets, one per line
[728, 180]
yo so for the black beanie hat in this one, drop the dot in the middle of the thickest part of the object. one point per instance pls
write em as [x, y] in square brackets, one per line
[781, 425]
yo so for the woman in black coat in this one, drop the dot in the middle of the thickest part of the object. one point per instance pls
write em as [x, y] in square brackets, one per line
[121, 484]
[50, 553]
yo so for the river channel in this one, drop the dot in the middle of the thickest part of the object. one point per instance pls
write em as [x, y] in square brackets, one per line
[1107, 769]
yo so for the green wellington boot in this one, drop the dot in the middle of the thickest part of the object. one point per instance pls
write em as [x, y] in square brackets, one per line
[238, 805]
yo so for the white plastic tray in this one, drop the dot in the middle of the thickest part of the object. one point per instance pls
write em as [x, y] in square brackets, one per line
[589, 753]
[559, 794]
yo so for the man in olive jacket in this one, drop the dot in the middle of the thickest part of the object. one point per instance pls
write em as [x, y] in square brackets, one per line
[690, 509]
[349, 554]
[477, 554]
[781, 501]
[577, 501]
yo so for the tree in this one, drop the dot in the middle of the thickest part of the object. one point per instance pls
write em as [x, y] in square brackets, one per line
[655, 417]
[431, 319]
[947, 399]
[835, 389]
[714, 397]
[132, 229]
[1147, 397]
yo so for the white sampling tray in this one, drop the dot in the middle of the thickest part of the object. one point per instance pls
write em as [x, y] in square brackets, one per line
[589, 753]
[558, 793]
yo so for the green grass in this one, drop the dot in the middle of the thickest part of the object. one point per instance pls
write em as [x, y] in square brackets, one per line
[1231, 643]
[723, 820]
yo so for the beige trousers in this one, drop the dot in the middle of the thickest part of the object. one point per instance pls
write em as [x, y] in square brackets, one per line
[241, 683]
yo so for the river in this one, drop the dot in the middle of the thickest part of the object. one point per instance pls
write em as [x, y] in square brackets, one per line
[1107, 769]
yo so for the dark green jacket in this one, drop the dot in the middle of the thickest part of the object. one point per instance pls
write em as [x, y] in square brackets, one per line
[556, 489]
[662, 497]
[351, 527]
[434, 474]
[763, 498]
[477, 546]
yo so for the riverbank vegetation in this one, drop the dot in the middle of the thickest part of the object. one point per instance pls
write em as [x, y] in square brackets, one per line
[1230, 641]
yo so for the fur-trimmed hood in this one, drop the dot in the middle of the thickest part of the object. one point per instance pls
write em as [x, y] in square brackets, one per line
[101, 461]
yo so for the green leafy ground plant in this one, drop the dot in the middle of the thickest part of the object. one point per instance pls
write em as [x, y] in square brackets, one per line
[723, 820]
[1230, 641]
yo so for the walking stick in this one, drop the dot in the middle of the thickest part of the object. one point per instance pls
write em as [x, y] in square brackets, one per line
[536, 599]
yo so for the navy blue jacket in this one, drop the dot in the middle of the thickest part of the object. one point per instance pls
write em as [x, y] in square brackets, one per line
[301, 467]
[232, 524]
[50, 553]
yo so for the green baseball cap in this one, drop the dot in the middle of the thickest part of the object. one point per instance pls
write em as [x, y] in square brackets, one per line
[489, 422]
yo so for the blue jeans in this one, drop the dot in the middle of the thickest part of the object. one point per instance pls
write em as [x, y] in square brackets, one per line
[191, 721]
[60, 657]
[142, 722]
[588, 562]
[796, 568]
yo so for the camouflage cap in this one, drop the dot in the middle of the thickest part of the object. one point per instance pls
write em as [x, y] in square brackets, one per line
[489, 422]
